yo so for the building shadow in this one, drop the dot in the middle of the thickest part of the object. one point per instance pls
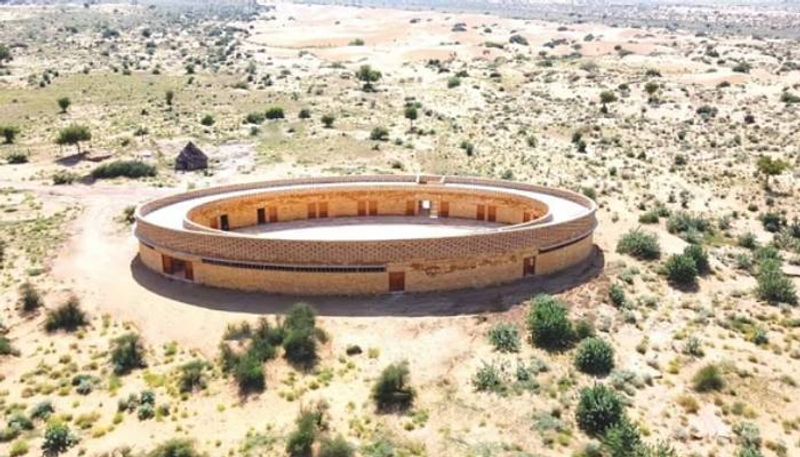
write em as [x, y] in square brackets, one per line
[461, 302]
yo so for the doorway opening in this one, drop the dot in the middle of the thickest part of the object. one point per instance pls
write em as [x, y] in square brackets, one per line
[424, 208]
[397, 281]
[177, 268]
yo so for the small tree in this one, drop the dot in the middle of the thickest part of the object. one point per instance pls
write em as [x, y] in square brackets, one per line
[599, 409]
[607, 97]
[299, 342]
[368, 75]
[549, 325]
[64, 103]
[169, 96]
[769, 167]
[379, 134]
[411, 114]
[275, 112]
[9, 133]
[73, 135]
[300, 441]
[336, 447]
[392, 390]
[127, 353]
[700, 257]
[595, 357]
[327, 120]
[58, 439]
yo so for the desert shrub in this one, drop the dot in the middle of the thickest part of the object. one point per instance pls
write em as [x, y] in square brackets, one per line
[207, 120]
[69, 316]
[599, 408]
[595, 356]
[336, 447]
[175, 448]
[392, 390]
[9, 132]
[304, 113]
[583, 329]
[29, 297]
[192, 376]
[63, 177]
[687, 225]
[650, 217]
[379, 134]
[301, 440]
[58, 439]
[453, 82]
[773, 285]
[328, 120]
[488, 378]
[6, 348]
[20, 422]
[700, 257]
[255, 118]
[617, 296]
[504, 337]
[772, 222]
[18, 448]
[549, 324]
[299, 342]
[249, 373]
[124, 168]
[275, 112]
[681, 270]
[16, 157]
[640, 245]
[623, 440]
[748, 241]
[127, 353]
[43, 410]
[708, 378]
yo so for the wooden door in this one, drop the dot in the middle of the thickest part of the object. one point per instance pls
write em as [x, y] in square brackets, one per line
[362, 208]
[529, 266]
[444, 209]
[312, 210]
[481, 215]
[189, 271]
[323, 209]
[167, 266]
[262, 216]
[223, 222]
[273, 214]
[397, 281]
[373, 208]
[410, 206]
[492, 213]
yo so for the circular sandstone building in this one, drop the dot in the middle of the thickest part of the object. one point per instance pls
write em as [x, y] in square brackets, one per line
[365, 234]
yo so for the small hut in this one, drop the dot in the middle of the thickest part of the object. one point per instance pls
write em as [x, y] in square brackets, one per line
[191, 158]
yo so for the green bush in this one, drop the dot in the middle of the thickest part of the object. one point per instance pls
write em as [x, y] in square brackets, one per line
[623, 440]
[617, 296]
[379, 134]
[700, 257]
[6, 348]
[175, 448]
[9, 132]
[504, 337]
[681, 270]
[249, 373]
[595, 356]
[328, 120]
[255, 118]
[336, 447]
[275, 112]
[16, 158]
[29, 297]
[207, 120]
[708, 378]
[192, 376]
[640, 245]
[488, 378]
[58, 439]
[549, 325]
[392, 390]
[69, 316]
[64, 177]
[687, 225]
[124, 168]
[773, 285]
[299, 341]
[304, 113]
[301, 440]
[127, 353]
[599, 409]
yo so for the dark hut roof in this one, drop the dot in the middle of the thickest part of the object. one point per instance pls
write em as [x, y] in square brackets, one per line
[191, 158]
